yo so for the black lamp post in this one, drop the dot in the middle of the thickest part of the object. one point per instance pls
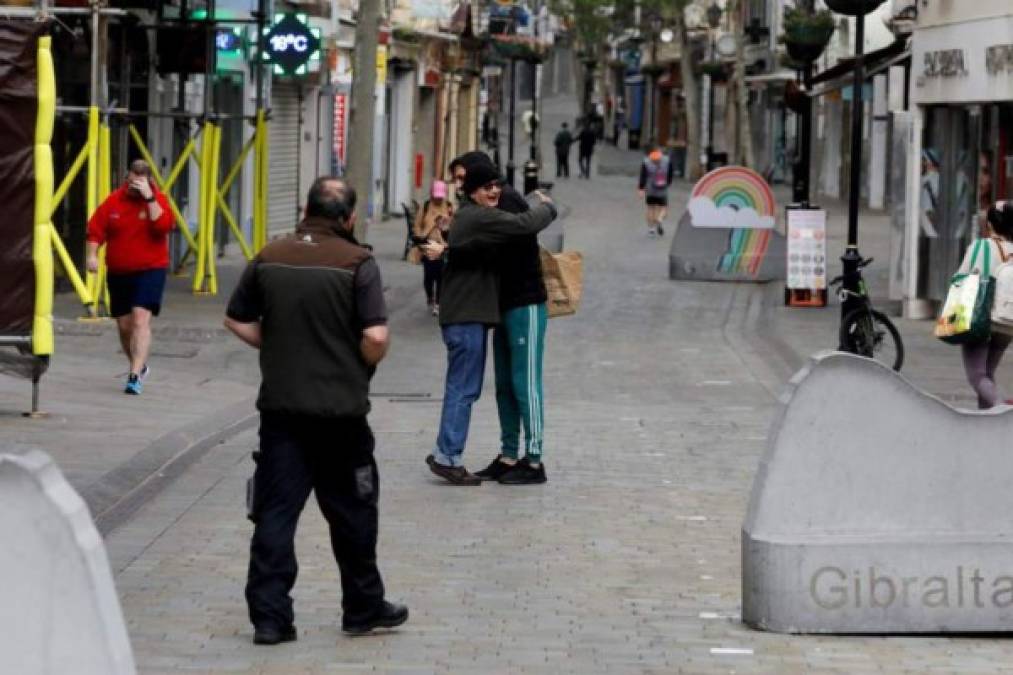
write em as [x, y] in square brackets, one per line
[714, 13]
[851, 260]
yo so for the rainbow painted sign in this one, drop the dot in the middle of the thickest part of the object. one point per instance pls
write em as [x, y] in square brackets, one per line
[737, 199]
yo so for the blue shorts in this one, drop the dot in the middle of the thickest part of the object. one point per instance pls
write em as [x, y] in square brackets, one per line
[136, 289]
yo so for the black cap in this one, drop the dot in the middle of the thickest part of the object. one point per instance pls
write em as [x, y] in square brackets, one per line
[480, 174]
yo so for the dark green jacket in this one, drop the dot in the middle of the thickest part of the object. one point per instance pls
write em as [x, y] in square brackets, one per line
[470, 292]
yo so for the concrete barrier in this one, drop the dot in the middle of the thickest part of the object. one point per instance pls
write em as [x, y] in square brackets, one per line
[878, 508]
[59, 612]
[726, 254]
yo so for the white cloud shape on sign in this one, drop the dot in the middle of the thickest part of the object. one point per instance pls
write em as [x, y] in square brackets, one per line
[704, 213]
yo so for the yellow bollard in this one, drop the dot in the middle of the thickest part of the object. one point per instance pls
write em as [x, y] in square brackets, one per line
[43, 342]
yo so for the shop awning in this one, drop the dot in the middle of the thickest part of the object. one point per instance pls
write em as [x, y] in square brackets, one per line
[842, 75]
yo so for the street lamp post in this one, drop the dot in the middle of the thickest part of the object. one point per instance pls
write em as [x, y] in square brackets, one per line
[714, 13]
[852, 259]
[510, 167]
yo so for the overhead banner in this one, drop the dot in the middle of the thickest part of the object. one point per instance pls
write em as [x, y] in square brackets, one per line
[19, 42]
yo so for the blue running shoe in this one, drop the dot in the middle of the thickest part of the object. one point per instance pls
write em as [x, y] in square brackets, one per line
[134, 385]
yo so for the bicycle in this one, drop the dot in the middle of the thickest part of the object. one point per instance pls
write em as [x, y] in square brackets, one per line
[864, 330]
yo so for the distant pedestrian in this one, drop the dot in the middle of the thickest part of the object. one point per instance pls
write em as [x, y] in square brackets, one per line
[656, 175]
[586, 140]
[432, 225]
[312, 303]
[134, 224]
[470, 304]
[981, 359]
[563, 141]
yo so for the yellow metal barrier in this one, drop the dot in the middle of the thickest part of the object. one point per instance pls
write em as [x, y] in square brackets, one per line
[91, 187]
[42, 250]
[224, 190]
[68, 180]
[205, 279]
[260, 184]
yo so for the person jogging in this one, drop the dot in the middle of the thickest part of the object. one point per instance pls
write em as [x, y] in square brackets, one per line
[134, 224]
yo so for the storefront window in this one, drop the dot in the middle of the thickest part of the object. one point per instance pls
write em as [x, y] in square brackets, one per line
[950, 194]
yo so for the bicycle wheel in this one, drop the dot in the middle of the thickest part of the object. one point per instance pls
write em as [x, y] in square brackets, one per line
[871, 334]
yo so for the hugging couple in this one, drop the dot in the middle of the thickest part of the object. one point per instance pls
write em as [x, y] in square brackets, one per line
[493, 280]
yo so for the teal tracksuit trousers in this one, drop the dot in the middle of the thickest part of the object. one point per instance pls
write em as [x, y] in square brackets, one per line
[518, 351]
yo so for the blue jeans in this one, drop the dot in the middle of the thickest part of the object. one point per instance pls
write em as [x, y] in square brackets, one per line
[466, 347]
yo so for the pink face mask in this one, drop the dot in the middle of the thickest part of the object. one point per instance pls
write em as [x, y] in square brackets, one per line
[439, 190]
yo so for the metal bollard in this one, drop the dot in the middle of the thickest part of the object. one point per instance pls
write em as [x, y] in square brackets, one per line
[530, 176]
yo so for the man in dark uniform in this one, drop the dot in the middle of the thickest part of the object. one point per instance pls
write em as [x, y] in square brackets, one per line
[312, 303]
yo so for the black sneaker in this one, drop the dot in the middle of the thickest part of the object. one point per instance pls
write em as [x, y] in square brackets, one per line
[269, 635]
[389, 615]
[495, 469]
[522, 473]
[457, 475]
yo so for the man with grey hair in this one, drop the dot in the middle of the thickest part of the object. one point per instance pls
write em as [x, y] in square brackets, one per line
[313, 304]
[133, 223]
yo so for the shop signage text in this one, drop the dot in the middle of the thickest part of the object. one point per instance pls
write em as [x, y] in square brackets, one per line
[945, 63]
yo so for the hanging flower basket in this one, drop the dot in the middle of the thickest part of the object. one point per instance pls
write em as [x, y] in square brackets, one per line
[520, 47]
[807, 35]
[853, 7]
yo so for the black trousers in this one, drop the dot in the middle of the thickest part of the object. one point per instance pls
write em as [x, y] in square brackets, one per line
[562, 164]
[585, 165]
[432, 279]
[334, 459]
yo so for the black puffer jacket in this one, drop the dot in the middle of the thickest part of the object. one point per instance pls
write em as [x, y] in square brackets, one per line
[519, 262]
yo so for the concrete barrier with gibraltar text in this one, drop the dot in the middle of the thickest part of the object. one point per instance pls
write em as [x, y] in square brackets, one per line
[877, 508]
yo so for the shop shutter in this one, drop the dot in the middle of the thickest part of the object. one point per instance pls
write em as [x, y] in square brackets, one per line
[283, 155]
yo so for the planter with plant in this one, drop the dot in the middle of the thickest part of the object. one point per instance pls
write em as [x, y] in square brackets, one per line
[807, 33]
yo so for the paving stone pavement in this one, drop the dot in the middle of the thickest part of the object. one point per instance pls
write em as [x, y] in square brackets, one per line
[658, 398]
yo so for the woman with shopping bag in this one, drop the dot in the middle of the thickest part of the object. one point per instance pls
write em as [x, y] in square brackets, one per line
[986, 256]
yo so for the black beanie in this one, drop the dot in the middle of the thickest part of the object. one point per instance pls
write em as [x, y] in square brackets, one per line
[468, 159]
[479, 174]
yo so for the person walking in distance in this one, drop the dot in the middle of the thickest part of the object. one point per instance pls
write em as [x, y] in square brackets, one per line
[655, 177]
[563, 141]
[134, 224]
[312, 303]
[585, 146]
[471, 304]
[981, 359]
[432, 224]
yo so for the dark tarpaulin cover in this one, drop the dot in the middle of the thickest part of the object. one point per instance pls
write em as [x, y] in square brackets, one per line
[18, 108]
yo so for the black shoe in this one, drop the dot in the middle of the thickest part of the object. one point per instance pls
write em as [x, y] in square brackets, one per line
[389, 616]
[661, 230]
[269, 635]
[522, 473]
[495, 469]
[457, 475]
